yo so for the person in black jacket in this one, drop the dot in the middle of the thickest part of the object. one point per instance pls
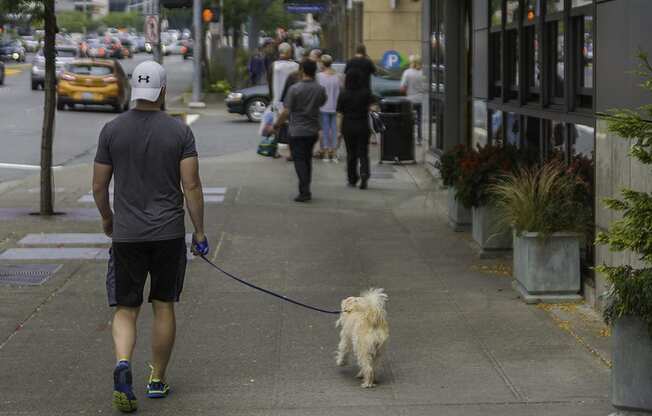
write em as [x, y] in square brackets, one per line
[354, 104]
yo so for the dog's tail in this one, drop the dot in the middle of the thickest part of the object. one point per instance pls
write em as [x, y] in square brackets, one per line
[376, 296]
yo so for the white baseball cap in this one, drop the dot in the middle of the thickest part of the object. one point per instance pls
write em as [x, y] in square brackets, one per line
[147, 81]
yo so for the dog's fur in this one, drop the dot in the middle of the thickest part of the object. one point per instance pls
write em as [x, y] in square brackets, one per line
[364, 332]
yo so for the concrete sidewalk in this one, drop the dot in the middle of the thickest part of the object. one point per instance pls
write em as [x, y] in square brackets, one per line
[461, 344]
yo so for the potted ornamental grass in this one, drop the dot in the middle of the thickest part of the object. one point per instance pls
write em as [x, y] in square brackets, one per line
[459, 216]
[629, 305]
[479, 169]
[546, 207]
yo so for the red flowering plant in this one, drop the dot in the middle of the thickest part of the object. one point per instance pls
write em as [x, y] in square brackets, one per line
[449, 165]
[479, 169]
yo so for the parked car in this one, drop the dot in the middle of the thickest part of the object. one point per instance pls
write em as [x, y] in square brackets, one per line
[30, 43]
[252, 101]
[11, 50]
[140, 43]
[2, 73]
[94, 82]
[65, 54]
[188, 48]
[94, 49]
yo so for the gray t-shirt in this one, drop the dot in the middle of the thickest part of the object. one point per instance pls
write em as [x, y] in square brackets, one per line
[145, 149]
[303, 101]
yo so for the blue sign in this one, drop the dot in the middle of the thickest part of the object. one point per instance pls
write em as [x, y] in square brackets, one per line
[306, 8]
[391, 60]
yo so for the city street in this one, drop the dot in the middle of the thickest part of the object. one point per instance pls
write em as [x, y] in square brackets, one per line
[442, 210]
[21, 118]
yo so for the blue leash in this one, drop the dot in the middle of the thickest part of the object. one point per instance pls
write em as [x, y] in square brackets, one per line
[269, 292]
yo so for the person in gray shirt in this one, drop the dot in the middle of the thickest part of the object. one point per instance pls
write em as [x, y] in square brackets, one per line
[150, 156]
[302, 104]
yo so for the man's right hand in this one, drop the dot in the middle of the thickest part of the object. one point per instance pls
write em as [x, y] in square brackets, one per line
[107, 226]
[199, 246]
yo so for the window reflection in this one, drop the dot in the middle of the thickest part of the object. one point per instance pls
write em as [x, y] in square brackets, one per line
[532, 10]
[557, 142]
[497, 127]
[555, 6]
[496, 12]
[480, 123]
[512, 11]
[513, 129]
[580, 3]
[581, 141]
[587, 52]
[557, 35]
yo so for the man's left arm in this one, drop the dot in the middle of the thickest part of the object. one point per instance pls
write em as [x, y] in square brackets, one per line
[101, 179]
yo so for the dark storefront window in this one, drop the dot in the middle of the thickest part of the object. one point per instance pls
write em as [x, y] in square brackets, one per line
[437, 75]
[541, 54]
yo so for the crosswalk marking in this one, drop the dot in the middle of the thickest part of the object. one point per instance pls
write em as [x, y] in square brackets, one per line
[66, 253]
[211, 194]
[55, 253]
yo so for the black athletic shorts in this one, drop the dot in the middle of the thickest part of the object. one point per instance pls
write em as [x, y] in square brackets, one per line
[130, 263]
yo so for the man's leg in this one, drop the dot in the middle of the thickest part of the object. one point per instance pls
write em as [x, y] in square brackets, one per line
[124, 332]
[351, 161]
[312, 141]
[301, 152]
[163, 336]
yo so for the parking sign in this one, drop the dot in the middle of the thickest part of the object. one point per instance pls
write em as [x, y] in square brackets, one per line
[391, 60]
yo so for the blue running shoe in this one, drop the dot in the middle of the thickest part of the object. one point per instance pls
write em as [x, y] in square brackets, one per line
[124, 398]
[156, 389]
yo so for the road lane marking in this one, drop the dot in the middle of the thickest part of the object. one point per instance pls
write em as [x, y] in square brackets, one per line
[211, 195]
[20, 166]
[55, 253]
[67, 253]
[191, 118]
[11, 72]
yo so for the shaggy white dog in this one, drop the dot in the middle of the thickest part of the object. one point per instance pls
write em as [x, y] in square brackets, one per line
[364, 332]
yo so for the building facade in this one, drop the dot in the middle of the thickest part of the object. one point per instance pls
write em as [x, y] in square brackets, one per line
[537, 74]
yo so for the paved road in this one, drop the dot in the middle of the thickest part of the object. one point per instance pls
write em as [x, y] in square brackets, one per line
[21, 114]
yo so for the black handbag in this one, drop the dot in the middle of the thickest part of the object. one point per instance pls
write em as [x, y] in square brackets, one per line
[376, 124]
[283, 135]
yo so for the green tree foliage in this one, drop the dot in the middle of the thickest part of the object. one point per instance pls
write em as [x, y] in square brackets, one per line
[631, 287]
[75, 21]
[126, 20]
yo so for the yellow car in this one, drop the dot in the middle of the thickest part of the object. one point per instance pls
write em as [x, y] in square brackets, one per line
[94, 82]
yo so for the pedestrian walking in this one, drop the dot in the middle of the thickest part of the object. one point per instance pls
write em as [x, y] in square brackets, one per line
[413, 85]
[354, 104]
[281, 69]
[362, 63]
[150, 157]
[256, 67]
[302, 104]
[299, 50]
[329, 79]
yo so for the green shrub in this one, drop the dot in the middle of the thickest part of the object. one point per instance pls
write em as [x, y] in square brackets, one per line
[479, 169]
[544, 199]
[221, 87]
[449, 165]
[631, 288]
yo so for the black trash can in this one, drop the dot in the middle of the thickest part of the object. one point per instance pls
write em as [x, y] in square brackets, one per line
[397, 142]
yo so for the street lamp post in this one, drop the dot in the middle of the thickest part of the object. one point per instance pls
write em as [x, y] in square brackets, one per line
[197, 56]
[156, 49]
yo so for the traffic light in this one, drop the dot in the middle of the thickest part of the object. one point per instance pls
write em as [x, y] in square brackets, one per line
[211, 15]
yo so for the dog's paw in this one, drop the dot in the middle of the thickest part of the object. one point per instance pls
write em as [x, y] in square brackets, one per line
[366, 385]
[341, 362]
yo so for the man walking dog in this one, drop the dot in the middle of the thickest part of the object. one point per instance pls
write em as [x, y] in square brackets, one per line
[150, 155]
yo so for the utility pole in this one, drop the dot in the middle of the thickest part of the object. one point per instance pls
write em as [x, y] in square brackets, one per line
[198, 52]
[156, 50]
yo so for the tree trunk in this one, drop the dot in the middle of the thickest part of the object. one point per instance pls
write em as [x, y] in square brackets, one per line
[47, 196]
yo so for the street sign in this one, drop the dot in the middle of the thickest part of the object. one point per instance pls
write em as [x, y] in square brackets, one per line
[306, 6]
[391, 60]
[151, 29]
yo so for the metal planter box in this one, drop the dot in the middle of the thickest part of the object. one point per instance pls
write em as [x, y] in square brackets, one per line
[631, 375]
[459, 217]
[487, 231]
[547, 270]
